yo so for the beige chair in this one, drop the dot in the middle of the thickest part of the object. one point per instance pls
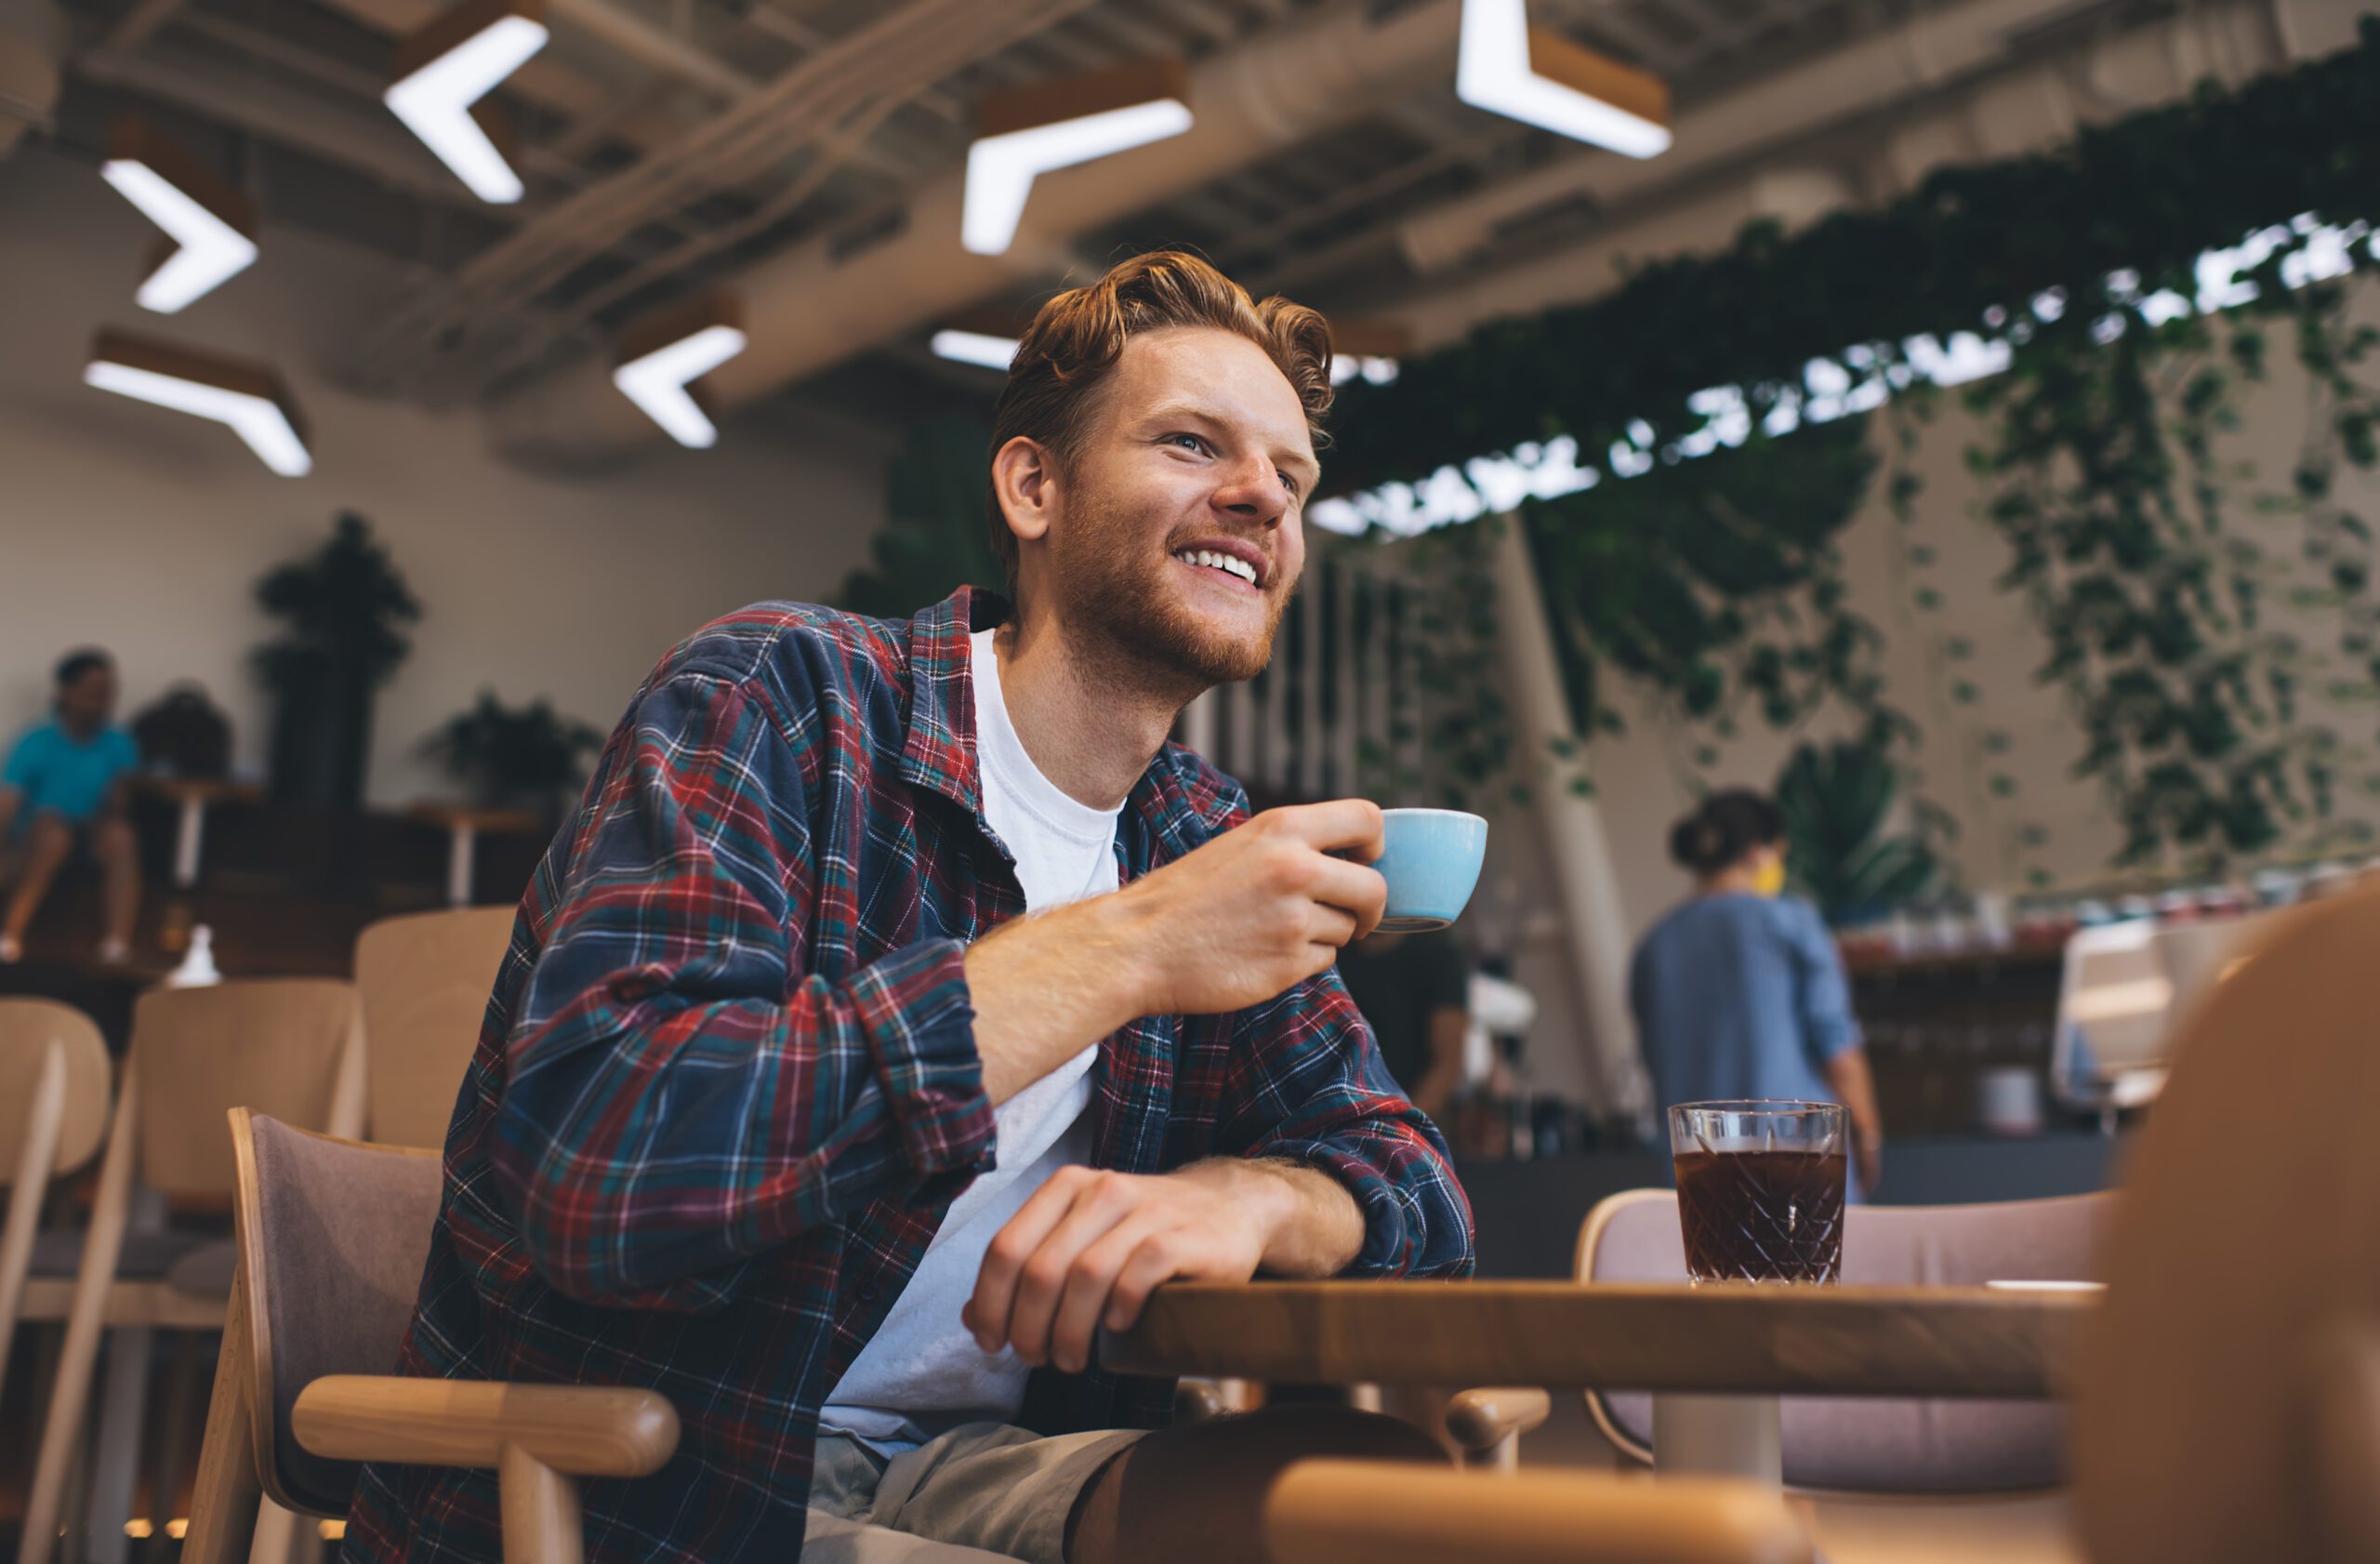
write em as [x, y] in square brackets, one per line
[54, 1073]
[292, 1046]
[1865, 1445]
[425, 979]
[1383, 1512]
[332, 1236]
[2229, 1408]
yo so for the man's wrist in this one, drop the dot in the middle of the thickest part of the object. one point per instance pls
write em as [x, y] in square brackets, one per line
[1114, 941]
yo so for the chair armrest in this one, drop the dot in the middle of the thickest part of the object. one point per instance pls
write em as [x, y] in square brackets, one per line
[590, 1431]
[1387, 1512]
[1479, 1420]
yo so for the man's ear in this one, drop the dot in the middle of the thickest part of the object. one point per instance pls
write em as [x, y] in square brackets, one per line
[1026, 479]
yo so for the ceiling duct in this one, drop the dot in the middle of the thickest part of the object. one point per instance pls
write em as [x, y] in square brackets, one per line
[32, 42]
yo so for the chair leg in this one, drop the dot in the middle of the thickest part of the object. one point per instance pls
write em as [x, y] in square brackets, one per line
[542, 1522]
[116, 1471]
[102, 1245]
[223, 1499]
[170, 1449]
[282, 1535]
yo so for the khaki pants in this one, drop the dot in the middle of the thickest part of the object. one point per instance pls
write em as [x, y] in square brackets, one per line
[982, 1493]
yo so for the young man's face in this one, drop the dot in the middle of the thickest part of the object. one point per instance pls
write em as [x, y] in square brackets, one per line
[1199, 446]
[88, 699]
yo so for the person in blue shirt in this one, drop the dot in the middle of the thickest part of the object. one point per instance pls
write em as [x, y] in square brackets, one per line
[1739, 992]
[61, 791]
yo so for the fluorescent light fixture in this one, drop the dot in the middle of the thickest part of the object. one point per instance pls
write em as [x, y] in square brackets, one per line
[210, 228]
[975, 347]
[661, 357]
[249, 398]
[1023, 134]
[1539, 77]
[445, 69]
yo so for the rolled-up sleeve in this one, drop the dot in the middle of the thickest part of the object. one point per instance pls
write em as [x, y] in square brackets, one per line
[1306, 1083]
[680, 1094]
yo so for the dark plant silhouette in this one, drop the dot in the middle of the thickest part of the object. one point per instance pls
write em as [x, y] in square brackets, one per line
[531, 758]
[1836, 802]
[344, 609]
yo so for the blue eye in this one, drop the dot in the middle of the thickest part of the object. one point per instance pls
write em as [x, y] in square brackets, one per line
[1194, 441]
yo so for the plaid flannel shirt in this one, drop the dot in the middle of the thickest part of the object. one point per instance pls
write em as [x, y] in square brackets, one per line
[727, 1086]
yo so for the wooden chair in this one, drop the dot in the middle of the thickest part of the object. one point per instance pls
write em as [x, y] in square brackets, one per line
[1382, 1512]
[2230, 1404]
[293, 1046]
[54, 1066]
[332, 1236]
[425, 979]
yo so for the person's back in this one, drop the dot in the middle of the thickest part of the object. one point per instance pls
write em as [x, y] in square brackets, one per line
[1729, 1002]
[1740, 991]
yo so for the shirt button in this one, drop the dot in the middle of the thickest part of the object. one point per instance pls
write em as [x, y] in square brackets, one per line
[867, 1292]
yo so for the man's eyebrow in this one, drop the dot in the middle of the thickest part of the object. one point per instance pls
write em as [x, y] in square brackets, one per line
[1165, 412]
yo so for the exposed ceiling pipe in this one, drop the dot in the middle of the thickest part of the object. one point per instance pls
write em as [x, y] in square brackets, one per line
[32, 41]
[2024, 109]
[815, 304]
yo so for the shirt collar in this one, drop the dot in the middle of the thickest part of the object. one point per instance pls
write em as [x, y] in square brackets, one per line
[1183, 801]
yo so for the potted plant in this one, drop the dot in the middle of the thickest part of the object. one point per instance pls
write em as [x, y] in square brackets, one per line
[344, 609]
[531, 759]
[1835, 801]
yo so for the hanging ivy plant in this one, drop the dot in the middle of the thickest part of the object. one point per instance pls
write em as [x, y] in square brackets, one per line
[2082, 264]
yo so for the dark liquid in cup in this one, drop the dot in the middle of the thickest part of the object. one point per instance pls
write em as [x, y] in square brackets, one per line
[1761, 1215]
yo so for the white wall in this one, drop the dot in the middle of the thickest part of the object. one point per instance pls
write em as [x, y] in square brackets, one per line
[1641, 776]
[144, 531]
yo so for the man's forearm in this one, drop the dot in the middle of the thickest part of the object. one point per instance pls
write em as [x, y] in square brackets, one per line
[1048, 986]
[1313, 1226]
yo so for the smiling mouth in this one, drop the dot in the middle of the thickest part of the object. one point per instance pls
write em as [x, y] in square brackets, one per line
[1227, 565]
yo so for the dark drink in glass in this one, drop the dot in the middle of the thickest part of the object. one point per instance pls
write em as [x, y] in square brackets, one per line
[1760, 1189]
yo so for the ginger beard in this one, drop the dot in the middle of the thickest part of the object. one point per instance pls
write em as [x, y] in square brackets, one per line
[1121, 589]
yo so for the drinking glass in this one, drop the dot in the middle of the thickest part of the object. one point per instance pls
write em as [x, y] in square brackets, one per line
[1760, 1189]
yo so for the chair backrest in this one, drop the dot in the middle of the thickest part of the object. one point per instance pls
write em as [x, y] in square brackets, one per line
[425, 978]
[1867, 1444]
[2226, 1401]
[28, 1030]
[332, 1235]
[54, 1090]
[276, 1045]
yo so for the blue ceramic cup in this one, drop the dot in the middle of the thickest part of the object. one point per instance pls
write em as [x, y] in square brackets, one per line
[1431, 865]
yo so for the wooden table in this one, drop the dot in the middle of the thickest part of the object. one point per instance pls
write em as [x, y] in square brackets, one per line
[1716, 1356]
[462, 824]
[191, 795]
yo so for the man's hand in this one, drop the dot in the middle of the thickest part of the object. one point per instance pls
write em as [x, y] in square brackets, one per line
[1090, 1246]
[1258, 910]
[1249, 915]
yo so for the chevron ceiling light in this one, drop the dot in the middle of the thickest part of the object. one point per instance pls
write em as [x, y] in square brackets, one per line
[661, 357]
[249, 398]
[210, 228]
[443, 72]
[1538, 76]
[1023, 134]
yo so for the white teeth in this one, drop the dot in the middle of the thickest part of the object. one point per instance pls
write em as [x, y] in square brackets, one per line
[1230, 564]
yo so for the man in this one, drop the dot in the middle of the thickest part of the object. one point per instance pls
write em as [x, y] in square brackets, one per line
[784, 1108]
[61, 791]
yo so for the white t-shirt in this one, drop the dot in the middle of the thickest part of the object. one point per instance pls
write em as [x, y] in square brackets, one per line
[921, 1372]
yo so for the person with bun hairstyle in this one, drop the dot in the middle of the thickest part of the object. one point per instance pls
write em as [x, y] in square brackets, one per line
[1738, 993]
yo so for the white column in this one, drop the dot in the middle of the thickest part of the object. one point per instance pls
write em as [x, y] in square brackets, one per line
[1578, 855]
